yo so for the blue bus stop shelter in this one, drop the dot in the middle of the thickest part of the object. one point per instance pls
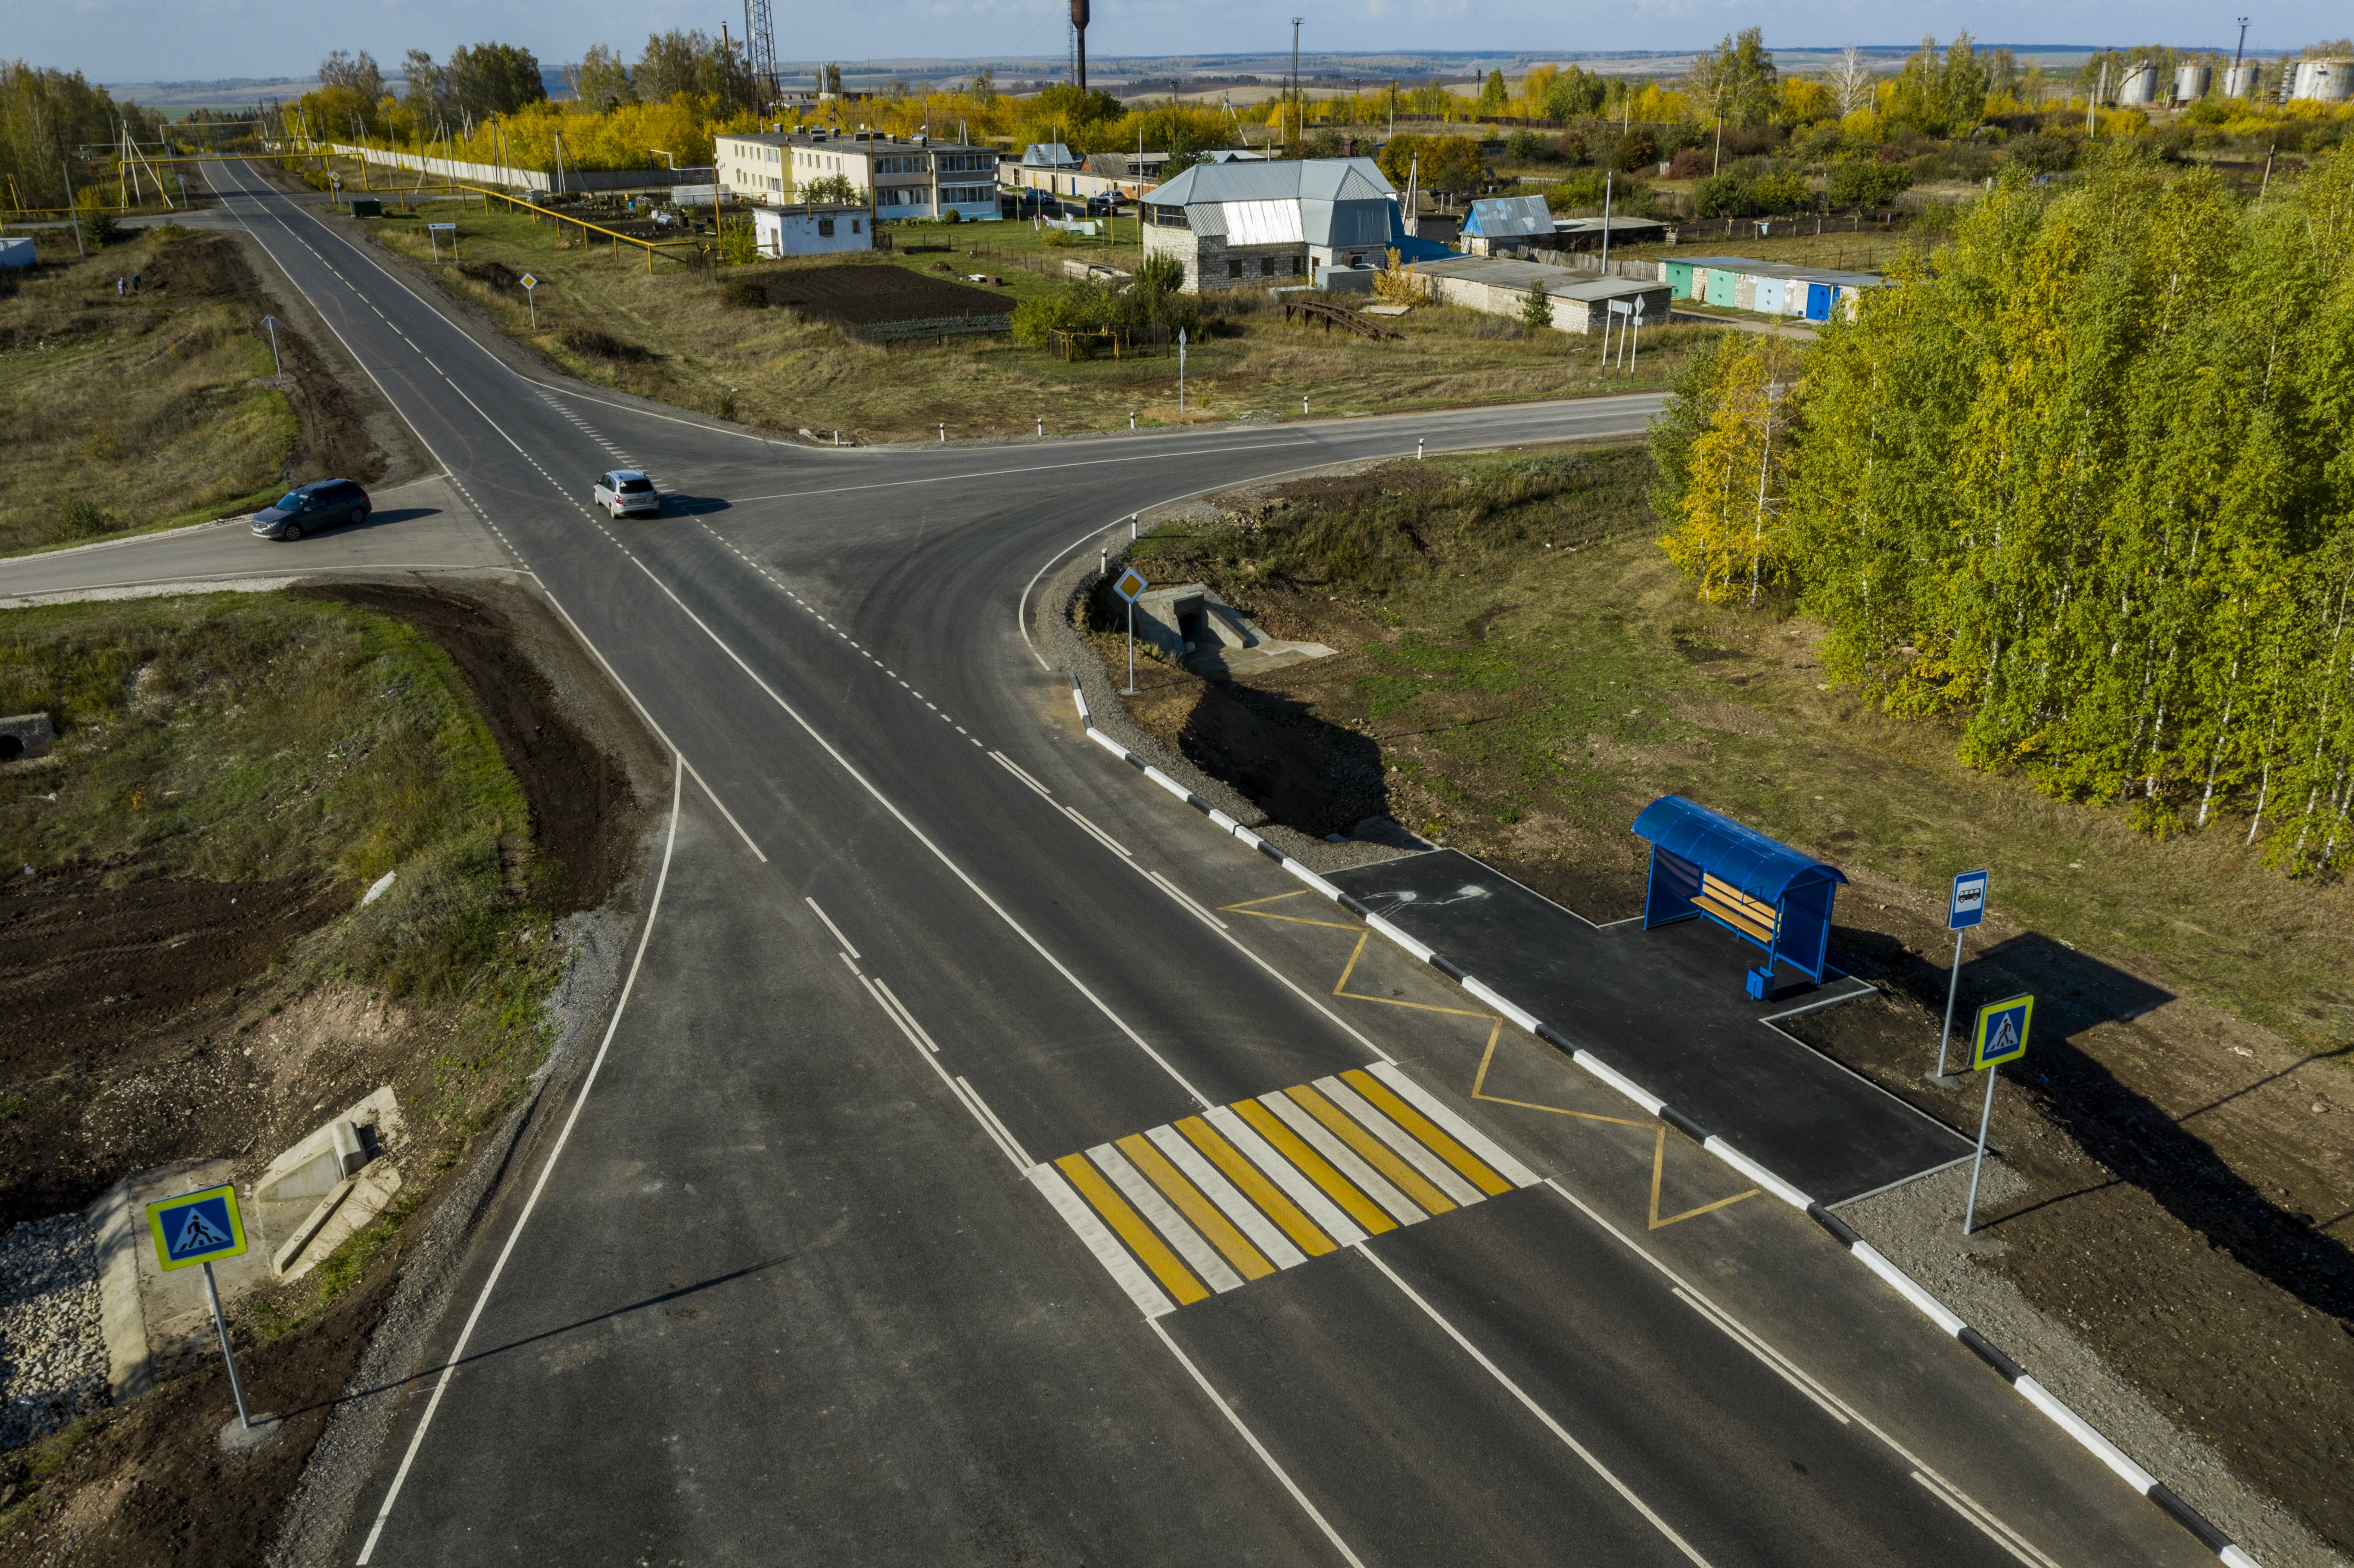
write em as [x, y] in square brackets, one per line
[1707, 865]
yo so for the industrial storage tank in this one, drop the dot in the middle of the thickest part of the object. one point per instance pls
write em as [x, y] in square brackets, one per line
[2325, 81]
[2241, 81]
[2140, 85]
[2191, 81]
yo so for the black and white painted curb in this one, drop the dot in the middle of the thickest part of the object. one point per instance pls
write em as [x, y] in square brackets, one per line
[2034, 1392]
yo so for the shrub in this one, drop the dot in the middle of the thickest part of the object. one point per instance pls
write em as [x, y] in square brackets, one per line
[744, 294]
[1524, 146]
[1864, 181]
[1636, 150]
[1724, 195]
[82, 519]
[1782, 192]
[602, 345]
[1581, 189]
[1536, 310]
[1058, 239]
[1164, 273]
[98, 226]
[2041, 152]
[1691, 164]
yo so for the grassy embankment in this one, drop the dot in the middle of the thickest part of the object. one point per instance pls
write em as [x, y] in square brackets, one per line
[1528, 701]
[679, 344]
[239, 738]
[127, 413]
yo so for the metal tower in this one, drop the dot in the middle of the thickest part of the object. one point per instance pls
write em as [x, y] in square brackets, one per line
[760, 50]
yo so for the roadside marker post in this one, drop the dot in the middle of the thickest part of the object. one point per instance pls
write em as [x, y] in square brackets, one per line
[270, 325]
[1132, 583]
[2000, 1036]
[433, 232]
[1966, 909]
[192, 1230]
[529, 284]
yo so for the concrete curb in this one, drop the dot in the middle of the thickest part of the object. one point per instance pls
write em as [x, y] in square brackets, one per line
[2035, 1393]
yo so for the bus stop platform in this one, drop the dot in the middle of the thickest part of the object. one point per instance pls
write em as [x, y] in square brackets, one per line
[1666, 1008]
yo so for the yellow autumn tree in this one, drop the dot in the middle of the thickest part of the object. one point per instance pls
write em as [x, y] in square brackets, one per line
[1728, 538]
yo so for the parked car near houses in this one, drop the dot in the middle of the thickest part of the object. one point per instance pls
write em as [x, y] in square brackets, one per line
[626, 492]
[310, 508]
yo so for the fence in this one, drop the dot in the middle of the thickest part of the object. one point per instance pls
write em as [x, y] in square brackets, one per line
[456, 169]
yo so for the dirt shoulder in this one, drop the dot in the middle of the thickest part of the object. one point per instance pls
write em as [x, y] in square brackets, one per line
[1518, 677]
[190, 1026]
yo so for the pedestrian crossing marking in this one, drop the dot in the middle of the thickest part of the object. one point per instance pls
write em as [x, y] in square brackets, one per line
[1482, 1175]
[1149, 1249]
[1220, 1232]
[1212, 1202]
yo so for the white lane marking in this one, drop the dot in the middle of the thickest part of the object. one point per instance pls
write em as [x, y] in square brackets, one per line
[1344, 1159]
[1148, 1296]
[1682, 1284]
[1012, 1145]
[1180, 1234]
[1539, 1411]
[1175, 452]
[1243, 1213]
[1104, 838]
[1435, 1171]
[908, 1013]
[1015, 769]
[1309, 1508]
[2001, 1535]
[1765, 1353]
[832, 927]
[580, 1101]
[1286, 1175]
[1182, 897]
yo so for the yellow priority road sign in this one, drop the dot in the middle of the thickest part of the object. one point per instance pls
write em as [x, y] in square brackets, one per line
[1132, 583]
[2001, 1032]
[196, 1227]
[528, 281]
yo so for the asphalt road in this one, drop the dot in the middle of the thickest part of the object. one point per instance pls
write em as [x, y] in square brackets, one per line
[794, 1288]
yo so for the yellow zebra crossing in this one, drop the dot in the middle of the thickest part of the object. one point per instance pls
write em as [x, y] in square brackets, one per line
[1208, 1204]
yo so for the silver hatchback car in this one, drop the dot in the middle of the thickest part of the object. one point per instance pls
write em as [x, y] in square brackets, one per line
[626, 492]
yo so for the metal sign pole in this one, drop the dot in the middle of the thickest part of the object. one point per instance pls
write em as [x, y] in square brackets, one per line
[228, 1356]
[1953, 988]
[1970, 1214]
[1132, 648]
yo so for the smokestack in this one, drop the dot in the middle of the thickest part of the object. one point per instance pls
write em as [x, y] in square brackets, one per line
[1079, 30]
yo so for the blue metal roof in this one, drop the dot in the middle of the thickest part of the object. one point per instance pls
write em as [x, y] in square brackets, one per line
[1729, 852]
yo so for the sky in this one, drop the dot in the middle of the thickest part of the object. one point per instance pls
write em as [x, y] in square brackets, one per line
[225, 38]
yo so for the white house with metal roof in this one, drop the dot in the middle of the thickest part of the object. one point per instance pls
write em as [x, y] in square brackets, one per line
[1262, 223]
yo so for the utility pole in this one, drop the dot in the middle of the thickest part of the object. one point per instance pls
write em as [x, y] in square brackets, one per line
[2243, 47]
[1298, 120]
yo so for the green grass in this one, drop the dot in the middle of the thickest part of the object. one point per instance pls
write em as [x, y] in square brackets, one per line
[784, 374]
[127, 415]
[1532, 699]
[246, 736]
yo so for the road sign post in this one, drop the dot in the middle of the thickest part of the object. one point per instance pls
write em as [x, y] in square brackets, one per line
[270, 325]
[191, 1231]
[1966, 909]
[529, 284]
[433, 232]
[2000, 1036]
[1132, 583]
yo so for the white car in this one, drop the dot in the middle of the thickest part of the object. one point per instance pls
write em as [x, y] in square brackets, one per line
[626, 492]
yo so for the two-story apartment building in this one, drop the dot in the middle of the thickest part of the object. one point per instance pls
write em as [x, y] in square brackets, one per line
[907, 176]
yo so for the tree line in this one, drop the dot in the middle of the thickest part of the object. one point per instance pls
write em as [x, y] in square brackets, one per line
[2084, 485]
[46, 116]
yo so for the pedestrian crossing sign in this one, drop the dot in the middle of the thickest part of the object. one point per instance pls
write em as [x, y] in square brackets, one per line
[196, 1227]
[2001, 1032]
[1132, 583]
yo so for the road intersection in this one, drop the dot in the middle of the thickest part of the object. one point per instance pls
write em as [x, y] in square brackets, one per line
[980, 1169]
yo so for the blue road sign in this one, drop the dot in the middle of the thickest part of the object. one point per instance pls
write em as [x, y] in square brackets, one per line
[1970, 901]
[196, 1227]
[2001, 1033]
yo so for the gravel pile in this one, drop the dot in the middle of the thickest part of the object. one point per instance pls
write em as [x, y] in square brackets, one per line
[53, 1363]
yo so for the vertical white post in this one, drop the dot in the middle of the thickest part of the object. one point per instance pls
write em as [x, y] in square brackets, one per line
[1952, 987]
[1970, 1213]
[1132, 648]
[221, 1325]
